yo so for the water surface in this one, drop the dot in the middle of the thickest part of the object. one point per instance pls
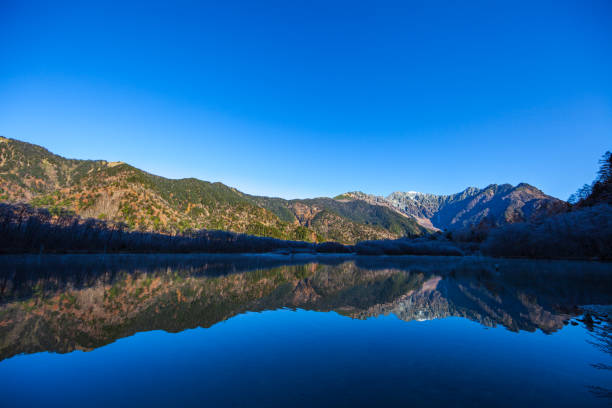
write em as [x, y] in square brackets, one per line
[304, 331]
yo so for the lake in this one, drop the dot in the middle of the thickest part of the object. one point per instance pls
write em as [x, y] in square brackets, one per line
[303, 330]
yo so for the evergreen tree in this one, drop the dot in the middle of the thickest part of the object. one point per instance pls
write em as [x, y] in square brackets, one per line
[605, 168]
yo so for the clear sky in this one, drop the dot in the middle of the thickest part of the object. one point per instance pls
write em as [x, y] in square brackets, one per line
[304, 99]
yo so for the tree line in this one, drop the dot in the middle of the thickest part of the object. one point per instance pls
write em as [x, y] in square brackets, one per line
[26, 229]
[584, 231]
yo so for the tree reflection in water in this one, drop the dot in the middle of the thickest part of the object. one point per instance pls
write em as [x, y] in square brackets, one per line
[598, 321]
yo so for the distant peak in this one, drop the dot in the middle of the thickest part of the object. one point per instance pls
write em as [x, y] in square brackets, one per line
[405, 193]
[524, 185]
[351, 194]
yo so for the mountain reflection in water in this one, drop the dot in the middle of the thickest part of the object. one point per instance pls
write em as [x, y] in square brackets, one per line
[66, 303]
[61, 304]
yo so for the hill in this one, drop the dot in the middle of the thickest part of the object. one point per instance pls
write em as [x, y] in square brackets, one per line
[118, 192]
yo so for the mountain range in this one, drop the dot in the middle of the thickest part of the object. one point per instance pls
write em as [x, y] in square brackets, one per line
[492, 206]
[119, 192]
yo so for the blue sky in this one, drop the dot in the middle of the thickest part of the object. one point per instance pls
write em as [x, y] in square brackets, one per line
[304, 99]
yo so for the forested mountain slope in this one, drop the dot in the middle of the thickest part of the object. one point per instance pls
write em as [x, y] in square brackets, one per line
[119, 192]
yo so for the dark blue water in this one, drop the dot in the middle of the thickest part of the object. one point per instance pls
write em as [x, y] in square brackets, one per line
[325, 332]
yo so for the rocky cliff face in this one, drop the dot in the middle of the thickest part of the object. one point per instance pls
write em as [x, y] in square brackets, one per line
[492, 206]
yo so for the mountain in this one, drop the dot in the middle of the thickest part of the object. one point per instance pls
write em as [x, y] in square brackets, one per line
[492, 206]
[340, 220]
[119, 192]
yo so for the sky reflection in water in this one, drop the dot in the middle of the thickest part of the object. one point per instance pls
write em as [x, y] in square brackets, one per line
[323, 333]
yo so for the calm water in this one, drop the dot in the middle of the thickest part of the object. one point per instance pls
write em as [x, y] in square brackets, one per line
[262, 331]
